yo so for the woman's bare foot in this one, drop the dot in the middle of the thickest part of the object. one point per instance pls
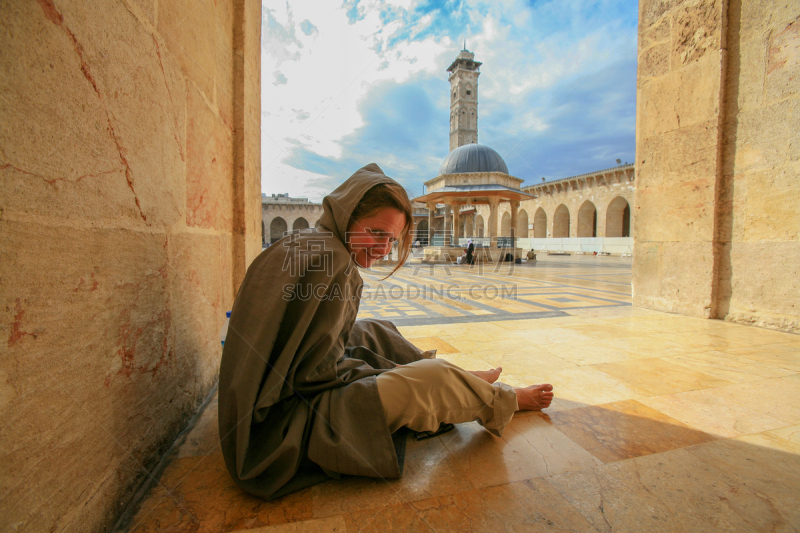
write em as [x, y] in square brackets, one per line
[489, 376]
[535, 397]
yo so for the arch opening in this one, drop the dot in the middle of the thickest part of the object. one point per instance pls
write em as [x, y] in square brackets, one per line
[300, 223]
[522, 224]
[540, 224]
[587, 220]
[618, 218]
[561, 222]
[505, 225]
[277, 229]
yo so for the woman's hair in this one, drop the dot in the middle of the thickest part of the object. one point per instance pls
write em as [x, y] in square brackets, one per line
[380, 197]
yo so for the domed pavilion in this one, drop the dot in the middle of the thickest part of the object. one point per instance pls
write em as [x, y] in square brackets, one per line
[472, 174]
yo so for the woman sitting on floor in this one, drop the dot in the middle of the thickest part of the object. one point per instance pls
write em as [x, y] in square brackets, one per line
[307, 392]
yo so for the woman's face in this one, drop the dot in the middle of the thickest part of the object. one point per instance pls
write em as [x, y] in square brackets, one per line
[371, 238]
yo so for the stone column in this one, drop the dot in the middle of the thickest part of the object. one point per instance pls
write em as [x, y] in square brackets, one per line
[431, 212]
[513, 229]
[447, 216]
[456, 223]
[493, 203]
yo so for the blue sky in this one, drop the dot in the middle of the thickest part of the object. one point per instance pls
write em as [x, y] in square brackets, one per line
[363, 81]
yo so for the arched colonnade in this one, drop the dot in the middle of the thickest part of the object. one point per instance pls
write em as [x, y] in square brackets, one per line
[588, 220]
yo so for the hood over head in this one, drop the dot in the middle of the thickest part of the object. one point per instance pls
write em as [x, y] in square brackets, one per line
[339, 205]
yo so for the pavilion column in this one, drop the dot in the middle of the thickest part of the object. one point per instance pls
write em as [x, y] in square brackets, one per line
[447, 217]
[431, 212]
[456, 223]
[513, 229]
[493, 203]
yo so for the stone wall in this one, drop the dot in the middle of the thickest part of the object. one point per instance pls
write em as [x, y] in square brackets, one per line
[129, 210]
[717, 160]
[290, 214]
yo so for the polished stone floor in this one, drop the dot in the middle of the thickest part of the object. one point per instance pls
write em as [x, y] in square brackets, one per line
[661, 422]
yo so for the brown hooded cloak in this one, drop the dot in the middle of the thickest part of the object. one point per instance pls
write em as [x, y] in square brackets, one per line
[298, 400]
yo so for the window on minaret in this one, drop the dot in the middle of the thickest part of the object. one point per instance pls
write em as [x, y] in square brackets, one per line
[469, 92]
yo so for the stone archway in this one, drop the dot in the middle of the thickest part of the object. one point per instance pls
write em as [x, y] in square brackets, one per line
[561, 222]
[505, 225]
[522, 224]
[587, 220]
[277, 229]
[540, 224]
[300, 223]
[618, 218]
[479, 227]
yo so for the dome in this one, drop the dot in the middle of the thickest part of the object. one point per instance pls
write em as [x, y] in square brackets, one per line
[472, 158]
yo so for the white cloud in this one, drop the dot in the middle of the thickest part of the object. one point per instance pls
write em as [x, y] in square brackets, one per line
[320, 78]
[319, 68]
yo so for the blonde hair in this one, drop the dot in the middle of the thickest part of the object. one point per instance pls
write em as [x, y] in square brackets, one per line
[388, 195]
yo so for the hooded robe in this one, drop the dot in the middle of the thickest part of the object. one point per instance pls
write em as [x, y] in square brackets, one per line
[298, 399]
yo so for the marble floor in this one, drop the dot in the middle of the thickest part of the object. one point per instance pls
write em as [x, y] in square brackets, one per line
[661, 422]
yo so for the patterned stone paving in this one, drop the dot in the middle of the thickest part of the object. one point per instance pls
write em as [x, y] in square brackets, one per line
[444, 294]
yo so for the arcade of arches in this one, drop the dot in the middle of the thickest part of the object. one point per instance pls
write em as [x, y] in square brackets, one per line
[279, 217]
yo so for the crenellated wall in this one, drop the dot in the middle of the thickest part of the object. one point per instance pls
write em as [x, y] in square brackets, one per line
[129, 210]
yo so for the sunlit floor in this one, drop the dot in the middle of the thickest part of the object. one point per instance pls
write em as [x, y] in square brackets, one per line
[661, 423]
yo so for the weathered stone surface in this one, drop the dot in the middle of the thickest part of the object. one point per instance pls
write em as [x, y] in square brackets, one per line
[189, 29]
[696, 30]
[677, 156]
[90, 355]
[209, 171]
[112, 303]
[676, 211]
[733, 190]
[769, 205]
[763, 138]
[679, 98]
[650, 11]
[654, 61]
[673, 276]
[747, 68]
[760, 19]
[657, 33]
[783, 63]
[761, 295]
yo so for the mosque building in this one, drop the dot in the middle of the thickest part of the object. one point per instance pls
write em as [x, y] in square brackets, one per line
[474, 192]
[475, 197]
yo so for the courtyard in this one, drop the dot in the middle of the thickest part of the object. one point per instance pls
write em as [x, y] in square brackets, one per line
[661, 422]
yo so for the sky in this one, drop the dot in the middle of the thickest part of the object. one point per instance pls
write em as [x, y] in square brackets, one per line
[349, 83]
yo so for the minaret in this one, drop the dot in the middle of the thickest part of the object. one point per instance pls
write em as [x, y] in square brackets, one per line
[464, 74]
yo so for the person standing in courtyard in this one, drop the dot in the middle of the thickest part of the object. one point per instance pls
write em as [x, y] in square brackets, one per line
[307, 392]
[470, 252]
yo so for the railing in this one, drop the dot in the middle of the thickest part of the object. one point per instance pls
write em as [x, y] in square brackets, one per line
[479, 242]
[622, 246]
